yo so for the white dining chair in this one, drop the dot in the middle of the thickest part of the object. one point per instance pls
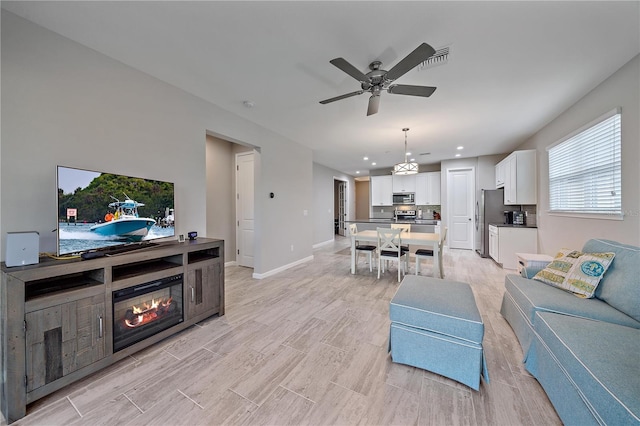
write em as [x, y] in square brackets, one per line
[390, 249]
[405, 227]
[426, 253]
[368, 249]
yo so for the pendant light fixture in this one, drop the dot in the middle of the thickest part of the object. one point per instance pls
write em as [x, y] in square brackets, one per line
[405, 168]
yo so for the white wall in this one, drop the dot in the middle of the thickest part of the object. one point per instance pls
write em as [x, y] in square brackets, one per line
[63, 103]
[323, 201]
[622, 89]
[220, 190]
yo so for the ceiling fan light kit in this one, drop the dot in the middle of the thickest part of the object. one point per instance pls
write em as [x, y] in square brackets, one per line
[377, 80]
[406, 168]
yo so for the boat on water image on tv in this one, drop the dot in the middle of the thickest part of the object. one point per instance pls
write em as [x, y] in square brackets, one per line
[98, 210]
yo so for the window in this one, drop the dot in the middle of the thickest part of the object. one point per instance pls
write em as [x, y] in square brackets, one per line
[585, 169]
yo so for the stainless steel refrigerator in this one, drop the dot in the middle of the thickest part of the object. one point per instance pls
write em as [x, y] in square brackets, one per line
[490, 208]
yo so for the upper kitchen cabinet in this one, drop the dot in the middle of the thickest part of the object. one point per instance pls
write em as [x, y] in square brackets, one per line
[403, 184]
[500, 174]
[518, 171]
[428, 189]
[381, 190]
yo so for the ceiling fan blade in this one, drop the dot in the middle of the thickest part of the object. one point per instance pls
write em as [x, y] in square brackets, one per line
[350, 69]
[413, 59]
[405, 89]
[337, 98]
[374, 104]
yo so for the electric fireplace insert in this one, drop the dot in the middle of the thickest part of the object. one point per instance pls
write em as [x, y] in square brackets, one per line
[146, 309]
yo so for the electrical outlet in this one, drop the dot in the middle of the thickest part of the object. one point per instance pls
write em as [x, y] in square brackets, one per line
[291, 247]
[381, 210]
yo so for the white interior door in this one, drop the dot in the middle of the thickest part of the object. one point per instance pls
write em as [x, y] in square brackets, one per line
[244, 209]
[460, 198]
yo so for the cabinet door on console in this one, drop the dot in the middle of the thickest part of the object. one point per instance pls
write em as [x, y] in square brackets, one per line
[203, 288]
[63, 338]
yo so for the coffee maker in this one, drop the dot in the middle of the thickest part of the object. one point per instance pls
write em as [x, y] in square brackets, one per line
[518, 218]
[514, 217]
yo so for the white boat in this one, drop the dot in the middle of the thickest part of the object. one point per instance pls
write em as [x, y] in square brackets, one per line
[125, 223]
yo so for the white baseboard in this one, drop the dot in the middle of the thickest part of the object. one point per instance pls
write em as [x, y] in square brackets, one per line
[324, 243]
[282, 268]
[231, 263]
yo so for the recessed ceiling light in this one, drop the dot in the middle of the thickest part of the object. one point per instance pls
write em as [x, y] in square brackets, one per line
[373, 164]
[357, 172]
[412, 159]
[408, 153]
[365, 158]
[457, 155]
[460, 147]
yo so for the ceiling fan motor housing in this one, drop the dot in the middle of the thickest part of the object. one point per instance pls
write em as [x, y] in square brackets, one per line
[376, 76]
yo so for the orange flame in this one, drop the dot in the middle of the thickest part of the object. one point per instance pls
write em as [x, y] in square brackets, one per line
[148, 312]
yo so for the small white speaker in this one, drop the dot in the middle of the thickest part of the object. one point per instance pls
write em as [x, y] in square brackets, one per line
[23, 248]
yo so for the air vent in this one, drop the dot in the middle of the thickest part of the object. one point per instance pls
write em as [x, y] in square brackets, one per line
[441, 57]
[425, 153]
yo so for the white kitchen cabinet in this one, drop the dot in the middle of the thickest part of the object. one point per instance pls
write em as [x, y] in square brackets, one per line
[433, 188]
[518, 171]
[428, 189]
[500, 174]
[510, 180]
[404, 184]
[505, 242]
[422, 189]
[493, 243]
[381, 190]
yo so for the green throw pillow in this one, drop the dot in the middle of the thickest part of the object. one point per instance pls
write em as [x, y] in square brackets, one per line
[576, 272]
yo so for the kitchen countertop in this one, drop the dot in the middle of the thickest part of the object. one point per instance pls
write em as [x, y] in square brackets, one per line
[508, 225]
[416, 221]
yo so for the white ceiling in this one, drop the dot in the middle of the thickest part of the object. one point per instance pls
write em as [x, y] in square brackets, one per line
[513, 66]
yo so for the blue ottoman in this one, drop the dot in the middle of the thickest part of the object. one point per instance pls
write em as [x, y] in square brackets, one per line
[436, 326]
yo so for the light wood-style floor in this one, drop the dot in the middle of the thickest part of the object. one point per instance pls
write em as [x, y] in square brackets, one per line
[307, 346]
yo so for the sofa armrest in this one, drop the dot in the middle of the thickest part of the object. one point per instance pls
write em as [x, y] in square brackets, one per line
[531, 271]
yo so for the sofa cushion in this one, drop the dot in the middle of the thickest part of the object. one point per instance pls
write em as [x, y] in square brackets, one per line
[531, 271]
[605, 373]
[620, 287]
[575, 271]
[532, 296]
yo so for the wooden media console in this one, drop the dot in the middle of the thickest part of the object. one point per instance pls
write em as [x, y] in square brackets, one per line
[57, 317]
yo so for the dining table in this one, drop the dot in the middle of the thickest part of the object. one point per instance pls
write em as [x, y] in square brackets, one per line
[406, 237]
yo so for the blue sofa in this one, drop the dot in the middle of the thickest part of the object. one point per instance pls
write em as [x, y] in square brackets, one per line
[584, 352]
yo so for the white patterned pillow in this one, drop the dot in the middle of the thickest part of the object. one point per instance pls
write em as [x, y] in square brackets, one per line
[584, 277]
[576, 272]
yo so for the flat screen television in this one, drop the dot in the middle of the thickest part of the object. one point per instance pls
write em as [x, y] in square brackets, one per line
[99, 210]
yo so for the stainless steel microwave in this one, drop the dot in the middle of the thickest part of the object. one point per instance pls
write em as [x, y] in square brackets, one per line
[404, 199]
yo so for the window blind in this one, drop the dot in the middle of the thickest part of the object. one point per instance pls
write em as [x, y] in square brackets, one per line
[585, 170]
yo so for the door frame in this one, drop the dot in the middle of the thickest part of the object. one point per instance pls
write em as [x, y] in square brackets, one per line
[471, 202]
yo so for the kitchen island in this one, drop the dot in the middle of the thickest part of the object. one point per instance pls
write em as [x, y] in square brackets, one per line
[417, 225]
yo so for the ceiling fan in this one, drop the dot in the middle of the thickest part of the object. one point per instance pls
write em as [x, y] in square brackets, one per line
[378, 79]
